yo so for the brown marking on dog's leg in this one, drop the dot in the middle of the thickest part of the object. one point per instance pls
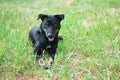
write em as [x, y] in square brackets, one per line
[41, 62]
[50, 60]
[49, 64]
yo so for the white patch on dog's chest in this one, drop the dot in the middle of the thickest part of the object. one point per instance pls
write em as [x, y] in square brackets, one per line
[49, 46]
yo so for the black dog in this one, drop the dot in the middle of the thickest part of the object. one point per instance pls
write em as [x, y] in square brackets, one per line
[46, 37]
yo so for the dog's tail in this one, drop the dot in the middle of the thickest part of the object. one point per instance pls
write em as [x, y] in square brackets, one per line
[60, 38]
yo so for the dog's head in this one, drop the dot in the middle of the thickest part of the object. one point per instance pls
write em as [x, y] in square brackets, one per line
[51, 24]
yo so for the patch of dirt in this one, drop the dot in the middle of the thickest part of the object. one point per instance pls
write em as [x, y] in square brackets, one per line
[22, 76]
[77, 76]
[53, 75]
[69, 2]
[74, 68]
[1, 74]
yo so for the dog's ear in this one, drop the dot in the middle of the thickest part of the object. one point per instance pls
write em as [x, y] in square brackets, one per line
[42, 16]
[60, 16]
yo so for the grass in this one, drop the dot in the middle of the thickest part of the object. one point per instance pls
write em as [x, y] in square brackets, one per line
[91, 46]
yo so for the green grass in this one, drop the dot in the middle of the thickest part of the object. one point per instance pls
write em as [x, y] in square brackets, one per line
[91, 46]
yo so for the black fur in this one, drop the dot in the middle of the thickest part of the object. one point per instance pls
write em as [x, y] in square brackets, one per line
[46, 36]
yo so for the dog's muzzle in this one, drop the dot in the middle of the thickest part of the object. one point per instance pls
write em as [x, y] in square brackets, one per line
[50, 37]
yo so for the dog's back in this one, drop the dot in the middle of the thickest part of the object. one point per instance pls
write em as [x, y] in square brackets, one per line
[33, 34]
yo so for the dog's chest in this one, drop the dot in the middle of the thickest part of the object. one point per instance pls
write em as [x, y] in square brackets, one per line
[47, 44]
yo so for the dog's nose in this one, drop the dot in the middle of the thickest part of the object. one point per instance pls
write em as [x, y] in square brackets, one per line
[50, 35]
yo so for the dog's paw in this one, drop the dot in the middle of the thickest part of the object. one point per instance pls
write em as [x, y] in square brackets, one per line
[41, 62]
[48, 66]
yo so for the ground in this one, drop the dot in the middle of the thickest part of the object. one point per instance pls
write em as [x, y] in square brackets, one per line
[90, 49]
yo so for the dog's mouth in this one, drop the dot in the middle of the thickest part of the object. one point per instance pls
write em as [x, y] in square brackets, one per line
[50, 38]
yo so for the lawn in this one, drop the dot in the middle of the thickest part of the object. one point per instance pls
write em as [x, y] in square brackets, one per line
[90, 49]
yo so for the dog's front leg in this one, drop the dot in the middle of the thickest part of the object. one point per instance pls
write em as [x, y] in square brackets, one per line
[51, 52]
[38, 53]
